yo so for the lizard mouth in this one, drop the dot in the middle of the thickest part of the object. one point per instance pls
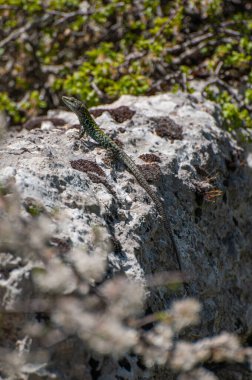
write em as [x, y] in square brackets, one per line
[68, 102]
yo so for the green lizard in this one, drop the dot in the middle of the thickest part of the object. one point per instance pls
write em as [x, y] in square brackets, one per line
[89, 126]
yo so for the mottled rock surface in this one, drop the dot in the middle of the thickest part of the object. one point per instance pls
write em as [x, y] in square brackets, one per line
[195, 166]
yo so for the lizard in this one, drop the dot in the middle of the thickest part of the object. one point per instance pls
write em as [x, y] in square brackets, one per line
[90, 127]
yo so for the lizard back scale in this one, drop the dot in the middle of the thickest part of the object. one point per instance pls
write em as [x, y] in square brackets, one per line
[89, 126]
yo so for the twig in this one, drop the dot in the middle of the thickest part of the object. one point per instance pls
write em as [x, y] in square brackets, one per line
[69, 17]
[191, 42]
[230, 90]
[218, 68]
[191, 52]
[167, 78]
[97, 90]
[16, 33]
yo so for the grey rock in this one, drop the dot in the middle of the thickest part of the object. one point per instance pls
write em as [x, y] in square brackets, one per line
[204, 180]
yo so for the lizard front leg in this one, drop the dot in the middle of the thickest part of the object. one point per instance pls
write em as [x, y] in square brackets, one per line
[82, 132]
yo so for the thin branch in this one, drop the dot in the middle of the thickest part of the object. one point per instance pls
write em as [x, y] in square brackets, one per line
[157, 85]
[191, 42]
[97, 90]
[238, 98]
[69, 17]
[25, 28]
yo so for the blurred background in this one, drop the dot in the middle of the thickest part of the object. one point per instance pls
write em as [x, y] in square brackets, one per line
[98, 50]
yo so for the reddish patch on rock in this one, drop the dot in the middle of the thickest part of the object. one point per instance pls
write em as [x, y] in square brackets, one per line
[150, 157]
[119, 114]
[87, 166]
[167, 128]
[61, 245]
[151, 172]
[96, 179]
[94, 172]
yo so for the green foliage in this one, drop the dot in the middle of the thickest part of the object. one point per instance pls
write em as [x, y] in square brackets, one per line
[237, 59]
[9, 106]
[236, 119]
[34, 210]
[34, 101]
[232, 115]
[103, 75]
[17, 110]
[248, 96]
[214, 8]
[99, 50]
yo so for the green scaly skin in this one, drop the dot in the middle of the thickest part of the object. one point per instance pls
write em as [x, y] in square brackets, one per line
[89, 126]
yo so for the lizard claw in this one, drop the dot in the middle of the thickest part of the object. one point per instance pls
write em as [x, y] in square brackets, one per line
[82, 133]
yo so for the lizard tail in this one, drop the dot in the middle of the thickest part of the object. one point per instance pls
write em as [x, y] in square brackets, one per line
[160, 207]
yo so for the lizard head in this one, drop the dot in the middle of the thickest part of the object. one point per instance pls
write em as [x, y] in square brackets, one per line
[74, 104]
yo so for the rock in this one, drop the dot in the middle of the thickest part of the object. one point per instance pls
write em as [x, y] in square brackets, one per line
[199, 171]
[3, 121]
